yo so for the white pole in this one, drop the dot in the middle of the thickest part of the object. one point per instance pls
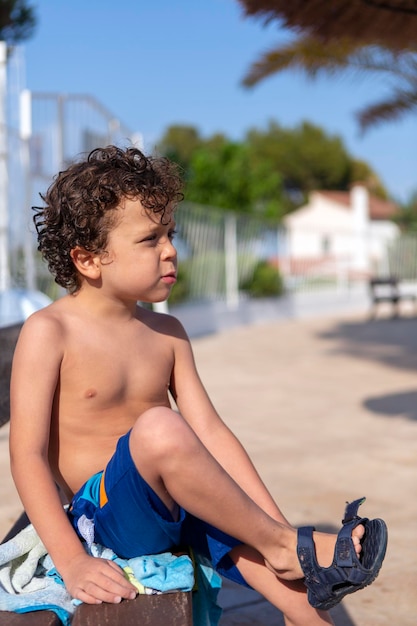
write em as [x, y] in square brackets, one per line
[4, 218]
[360, 206]
[230, 244]
[161, 307]
[25, 135]
[25, 115]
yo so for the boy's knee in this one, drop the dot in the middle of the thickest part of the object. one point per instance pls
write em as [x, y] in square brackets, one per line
[157, 430]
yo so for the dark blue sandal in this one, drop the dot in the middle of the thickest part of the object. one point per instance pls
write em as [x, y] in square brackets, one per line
[328, 585]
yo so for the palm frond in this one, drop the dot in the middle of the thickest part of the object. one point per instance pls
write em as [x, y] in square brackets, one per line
[315, 57]
[305, 53]
[394, 108]
[376, 59]
[389, 24]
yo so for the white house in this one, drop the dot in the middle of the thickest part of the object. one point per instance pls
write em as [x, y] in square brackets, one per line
[351, 228]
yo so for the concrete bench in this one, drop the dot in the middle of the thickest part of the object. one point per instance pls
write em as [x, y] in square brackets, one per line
[174, 609]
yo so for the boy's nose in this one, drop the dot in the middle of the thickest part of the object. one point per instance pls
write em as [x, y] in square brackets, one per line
[169, 250]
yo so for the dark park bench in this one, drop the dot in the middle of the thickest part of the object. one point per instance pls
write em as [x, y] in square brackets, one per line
[173, 609]
[388, 289]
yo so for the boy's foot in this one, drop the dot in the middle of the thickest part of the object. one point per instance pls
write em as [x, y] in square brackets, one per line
[358, 555]
[334, 566]
[325, 545]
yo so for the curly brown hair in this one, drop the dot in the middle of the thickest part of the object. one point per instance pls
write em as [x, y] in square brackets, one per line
[81, 202]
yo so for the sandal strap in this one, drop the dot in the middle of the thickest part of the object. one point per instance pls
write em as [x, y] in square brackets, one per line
[345, 555]
[305, 554]
[319, 581]
[351, 511]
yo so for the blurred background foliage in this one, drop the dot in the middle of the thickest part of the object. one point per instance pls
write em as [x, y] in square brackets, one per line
[270, 172]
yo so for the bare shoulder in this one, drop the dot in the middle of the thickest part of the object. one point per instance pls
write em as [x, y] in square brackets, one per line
[48, 319]
[163, 323]
[41, 341]
[45, 327]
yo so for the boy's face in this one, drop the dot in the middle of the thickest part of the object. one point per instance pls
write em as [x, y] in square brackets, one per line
[141, 261]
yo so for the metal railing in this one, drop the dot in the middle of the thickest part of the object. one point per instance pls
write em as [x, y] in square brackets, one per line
[51, 130]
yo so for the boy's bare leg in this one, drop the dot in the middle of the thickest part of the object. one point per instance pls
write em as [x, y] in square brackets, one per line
[288, 596]
[178, 467]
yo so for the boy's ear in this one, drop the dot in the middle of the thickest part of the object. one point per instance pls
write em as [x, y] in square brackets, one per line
[87, 263]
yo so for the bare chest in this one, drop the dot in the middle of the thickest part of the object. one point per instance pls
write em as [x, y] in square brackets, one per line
[106, 372]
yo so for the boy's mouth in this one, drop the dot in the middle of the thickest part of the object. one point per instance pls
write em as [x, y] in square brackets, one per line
[170, 278]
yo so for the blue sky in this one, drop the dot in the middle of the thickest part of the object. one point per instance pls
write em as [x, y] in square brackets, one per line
[163, 62]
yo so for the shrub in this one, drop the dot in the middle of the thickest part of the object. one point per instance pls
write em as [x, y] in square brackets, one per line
[266, 281]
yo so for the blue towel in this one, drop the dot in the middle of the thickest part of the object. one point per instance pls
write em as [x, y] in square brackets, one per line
[30, 582]
[162, 572]
[24, 581]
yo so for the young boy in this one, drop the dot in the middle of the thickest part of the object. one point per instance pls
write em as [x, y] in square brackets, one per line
[91, 413]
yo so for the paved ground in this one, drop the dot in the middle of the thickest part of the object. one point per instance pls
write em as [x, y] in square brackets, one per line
[327, 408]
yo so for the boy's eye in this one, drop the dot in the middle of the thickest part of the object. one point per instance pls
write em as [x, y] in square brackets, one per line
[156, 236]
[150, 238]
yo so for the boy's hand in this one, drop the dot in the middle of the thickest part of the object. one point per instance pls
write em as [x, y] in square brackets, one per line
[94, 580]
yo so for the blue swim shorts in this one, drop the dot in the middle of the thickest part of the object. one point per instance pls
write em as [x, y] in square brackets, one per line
[126, 515]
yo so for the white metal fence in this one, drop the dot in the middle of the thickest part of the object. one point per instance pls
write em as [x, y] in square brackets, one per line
[51, 130]
[220, 251]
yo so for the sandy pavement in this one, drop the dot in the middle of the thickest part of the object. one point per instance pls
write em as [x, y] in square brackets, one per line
[327, 409]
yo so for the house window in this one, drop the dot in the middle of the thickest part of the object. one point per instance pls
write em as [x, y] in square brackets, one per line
[325, 244]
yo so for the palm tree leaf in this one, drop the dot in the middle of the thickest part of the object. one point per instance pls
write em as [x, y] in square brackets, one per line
[389, 23]
[314, 56]
[305, 53]
[376, 59]
[401, 103]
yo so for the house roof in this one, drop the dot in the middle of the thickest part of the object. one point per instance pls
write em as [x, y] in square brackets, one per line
[378, 209]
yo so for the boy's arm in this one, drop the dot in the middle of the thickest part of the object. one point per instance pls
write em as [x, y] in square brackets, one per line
[35, 375]
[197, 409]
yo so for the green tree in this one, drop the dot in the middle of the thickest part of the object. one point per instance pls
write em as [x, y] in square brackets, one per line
[225, 175]
[17, 21]
[309, 159]
[179, 143]
[269, 173]
[362, 172]
[306, 157]
[216, 176]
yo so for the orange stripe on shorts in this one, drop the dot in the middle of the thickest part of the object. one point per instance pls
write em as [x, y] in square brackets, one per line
[103, 495]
